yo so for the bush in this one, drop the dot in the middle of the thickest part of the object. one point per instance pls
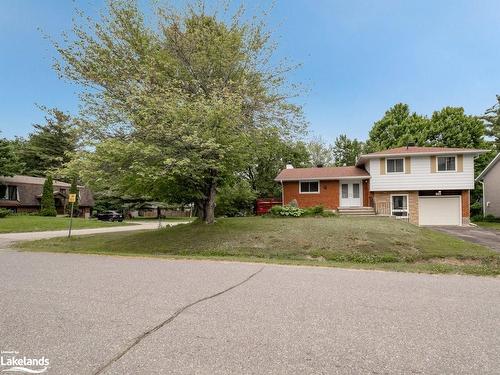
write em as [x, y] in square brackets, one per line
[476, 218]
[287, 211]
[315, 210]
[476, 209]
[235, 200]
[4, 212]
[491, 219]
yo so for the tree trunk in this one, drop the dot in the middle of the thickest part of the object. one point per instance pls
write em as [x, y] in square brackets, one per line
[206, 207]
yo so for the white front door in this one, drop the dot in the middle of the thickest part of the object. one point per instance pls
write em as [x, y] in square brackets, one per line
[350, 193]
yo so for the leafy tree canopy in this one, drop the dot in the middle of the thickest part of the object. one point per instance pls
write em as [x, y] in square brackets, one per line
[346, 151]
[9, 162]
[175, 108]
[320, 153]
[492, 122]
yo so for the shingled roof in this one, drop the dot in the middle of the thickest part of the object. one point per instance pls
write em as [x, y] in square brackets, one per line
[327, 173]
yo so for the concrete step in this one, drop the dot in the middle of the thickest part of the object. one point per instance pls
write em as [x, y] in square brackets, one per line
[358, 211]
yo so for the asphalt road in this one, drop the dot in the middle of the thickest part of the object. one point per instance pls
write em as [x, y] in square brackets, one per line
[483, 236]
[115, 315]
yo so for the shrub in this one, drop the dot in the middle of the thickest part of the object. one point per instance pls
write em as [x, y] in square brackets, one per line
[287, 211]
[48, 206]
[476, 208]
[476, 218]
[315, 210]
[235, 200]
[4, 212]
[491, 219]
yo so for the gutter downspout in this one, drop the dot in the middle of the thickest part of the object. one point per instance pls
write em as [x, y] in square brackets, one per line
[282, 194]
[484, 200]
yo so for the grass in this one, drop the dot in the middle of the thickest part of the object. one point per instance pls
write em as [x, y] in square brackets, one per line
[353, 242]
[170, 218]
[25, 223]
[487, 224]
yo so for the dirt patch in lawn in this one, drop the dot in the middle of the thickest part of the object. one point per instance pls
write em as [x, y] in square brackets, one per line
[451, 261]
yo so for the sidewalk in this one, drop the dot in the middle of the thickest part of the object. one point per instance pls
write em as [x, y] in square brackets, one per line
[8, 238]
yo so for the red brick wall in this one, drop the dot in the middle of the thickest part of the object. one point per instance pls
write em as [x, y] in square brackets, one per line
[366, 193]
[465, 204]
[328, 195]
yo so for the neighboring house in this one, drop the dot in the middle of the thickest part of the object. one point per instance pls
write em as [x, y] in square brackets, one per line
[24, 193]
[490, 178]
[424, 185]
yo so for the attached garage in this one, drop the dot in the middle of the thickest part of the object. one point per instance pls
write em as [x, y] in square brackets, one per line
[440, 210]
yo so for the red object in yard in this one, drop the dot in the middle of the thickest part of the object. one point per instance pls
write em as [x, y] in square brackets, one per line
[265, 204]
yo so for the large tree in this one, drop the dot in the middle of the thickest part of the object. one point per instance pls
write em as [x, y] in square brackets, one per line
[492, 122]
[346, 151]
[50, 146]
[397, 128]
[176, 107]
[9, 162]
[320, 153]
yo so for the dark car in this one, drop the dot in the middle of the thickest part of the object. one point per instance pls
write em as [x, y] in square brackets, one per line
[110, 216]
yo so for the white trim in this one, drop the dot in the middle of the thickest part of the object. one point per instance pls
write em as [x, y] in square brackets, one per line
[326, 178]
[362, 158]
[309, 192]
[488, 167]
[407, 206]
[446, 156]
[387, 165]
[350, 185]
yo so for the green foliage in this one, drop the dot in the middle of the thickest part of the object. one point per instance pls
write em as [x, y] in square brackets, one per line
[235, 200]
[476, 208]
[269, 154]
[9, 162]
[320, 153]
[287, 211]
[50, 146]
[48, 205]
[177, 107]
[346, 151]
[492, 122]
[4, 212]
[315, 210]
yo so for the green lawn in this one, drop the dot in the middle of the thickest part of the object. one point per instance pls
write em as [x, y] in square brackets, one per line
[486, 224]
[25, 223]
[359, 242]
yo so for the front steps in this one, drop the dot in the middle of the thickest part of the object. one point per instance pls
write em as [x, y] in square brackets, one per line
[356, 211]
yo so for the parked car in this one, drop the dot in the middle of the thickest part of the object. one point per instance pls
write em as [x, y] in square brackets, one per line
[110, 216]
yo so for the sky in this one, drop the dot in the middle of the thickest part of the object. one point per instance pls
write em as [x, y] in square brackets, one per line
[358, 58]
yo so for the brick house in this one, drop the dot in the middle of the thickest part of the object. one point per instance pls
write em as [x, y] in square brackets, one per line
[424, 185]
[23, 194]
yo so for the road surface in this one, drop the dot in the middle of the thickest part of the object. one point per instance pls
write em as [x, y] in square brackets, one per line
[91, 314]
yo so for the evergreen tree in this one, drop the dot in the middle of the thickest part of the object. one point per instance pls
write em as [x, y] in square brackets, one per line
[346, 151]
[48, 206]
[492, 121]
[9, 163]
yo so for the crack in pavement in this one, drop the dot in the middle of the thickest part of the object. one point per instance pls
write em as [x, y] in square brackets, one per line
[142, 336]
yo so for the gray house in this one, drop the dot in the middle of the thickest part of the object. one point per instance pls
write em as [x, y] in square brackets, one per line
[490, 178]
[24, 194]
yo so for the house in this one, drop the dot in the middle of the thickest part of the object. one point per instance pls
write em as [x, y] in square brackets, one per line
[24, 194]
[490, 178]
[424, 185]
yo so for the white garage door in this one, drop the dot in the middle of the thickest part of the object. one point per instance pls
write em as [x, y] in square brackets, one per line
[442, 210]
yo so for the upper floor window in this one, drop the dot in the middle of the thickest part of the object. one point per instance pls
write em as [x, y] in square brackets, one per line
[309, 187]
[8, 192]
[395, 165]
[446, 163]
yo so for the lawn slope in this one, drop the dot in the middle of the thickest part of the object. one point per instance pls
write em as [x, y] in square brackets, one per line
[361, 242]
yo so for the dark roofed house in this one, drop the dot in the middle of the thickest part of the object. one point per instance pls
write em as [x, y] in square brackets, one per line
[24, 193]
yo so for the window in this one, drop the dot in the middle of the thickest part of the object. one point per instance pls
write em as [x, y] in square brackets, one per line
[8, 192]
[345, 191]
[399, 205]
[446, 163]
[309, 187]
[395, 165]
[355, 190]
[62, 191]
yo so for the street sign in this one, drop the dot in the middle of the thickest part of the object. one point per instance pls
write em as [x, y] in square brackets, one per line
[72, 198]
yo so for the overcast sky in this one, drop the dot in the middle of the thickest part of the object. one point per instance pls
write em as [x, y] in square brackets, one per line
[359, 58]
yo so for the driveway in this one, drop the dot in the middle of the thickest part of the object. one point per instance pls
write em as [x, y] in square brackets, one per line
[486, 237]
[8, 238]
[91, 314]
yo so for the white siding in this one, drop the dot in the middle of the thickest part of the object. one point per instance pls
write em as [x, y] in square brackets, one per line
[421, 177]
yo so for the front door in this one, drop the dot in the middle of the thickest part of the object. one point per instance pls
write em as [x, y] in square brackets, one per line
[350, 193]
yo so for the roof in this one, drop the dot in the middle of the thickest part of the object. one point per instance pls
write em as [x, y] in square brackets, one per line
[327, 173]
[18, 179]
[417, 150]
[488, 167]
